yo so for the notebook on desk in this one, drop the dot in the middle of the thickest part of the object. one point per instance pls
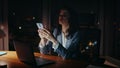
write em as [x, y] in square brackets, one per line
[25, 54]
[2, 53]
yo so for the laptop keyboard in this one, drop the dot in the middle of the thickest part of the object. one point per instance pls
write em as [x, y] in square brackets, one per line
[42, 61]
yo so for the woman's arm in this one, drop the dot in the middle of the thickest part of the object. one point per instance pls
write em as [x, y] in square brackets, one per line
[73, 51]
[45, 50]
[43, 44]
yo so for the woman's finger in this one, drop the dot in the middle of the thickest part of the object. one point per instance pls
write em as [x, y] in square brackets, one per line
[46, 31]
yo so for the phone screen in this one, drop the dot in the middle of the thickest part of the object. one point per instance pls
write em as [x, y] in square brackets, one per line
[39, 25]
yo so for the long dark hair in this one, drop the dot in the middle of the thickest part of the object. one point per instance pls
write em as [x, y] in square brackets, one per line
[73, 20]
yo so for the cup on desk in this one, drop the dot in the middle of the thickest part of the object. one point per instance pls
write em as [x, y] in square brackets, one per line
[3, 65]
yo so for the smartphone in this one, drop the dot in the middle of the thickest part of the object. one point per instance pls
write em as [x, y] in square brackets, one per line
[39, 25]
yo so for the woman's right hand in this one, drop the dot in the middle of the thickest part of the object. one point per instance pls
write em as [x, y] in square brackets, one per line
[40, 34]
[43, 40]
[44, 33]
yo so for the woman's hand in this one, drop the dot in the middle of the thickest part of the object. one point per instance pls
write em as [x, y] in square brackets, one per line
[43, 40]
[44, 33]
[40, 34]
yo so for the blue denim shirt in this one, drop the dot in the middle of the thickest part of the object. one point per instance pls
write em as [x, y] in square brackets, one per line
[73, 43]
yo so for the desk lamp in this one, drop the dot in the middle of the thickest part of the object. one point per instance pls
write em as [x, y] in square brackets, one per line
[2, 35]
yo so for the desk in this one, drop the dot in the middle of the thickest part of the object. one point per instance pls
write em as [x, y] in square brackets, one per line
[13, 62]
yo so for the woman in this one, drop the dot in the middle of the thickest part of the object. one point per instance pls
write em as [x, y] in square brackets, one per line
[64, 40]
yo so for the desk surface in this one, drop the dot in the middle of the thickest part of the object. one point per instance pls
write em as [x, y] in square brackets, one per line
[13, 62]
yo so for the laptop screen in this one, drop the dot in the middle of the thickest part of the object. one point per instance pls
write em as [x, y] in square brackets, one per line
[25, 54]
[24, 51]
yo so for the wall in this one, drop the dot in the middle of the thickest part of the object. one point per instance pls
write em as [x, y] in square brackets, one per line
[4, 24]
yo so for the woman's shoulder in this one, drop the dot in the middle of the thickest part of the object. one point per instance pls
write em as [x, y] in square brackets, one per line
[74, 34]
[77, 32]
[56, 31]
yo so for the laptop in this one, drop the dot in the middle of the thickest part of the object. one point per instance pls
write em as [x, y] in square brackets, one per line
[25, 54]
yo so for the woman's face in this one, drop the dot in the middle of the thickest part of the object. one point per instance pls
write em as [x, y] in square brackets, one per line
[63, 16]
